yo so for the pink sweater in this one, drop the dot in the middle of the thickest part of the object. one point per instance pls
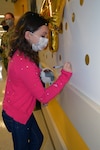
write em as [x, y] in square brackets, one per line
[24, 86]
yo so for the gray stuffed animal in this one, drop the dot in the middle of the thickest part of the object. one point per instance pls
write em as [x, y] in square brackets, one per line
[47, 76]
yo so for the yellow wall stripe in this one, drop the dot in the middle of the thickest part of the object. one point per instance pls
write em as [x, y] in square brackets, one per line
[68, 132]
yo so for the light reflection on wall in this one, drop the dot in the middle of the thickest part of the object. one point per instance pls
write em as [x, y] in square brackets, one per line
[0, 72]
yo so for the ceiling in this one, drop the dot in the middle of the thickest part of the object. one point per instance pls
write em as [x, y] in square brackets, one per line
[5, 6]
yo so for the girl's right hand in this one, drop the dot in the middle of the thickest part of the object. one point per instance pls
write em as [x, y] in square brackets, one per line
[67, 67]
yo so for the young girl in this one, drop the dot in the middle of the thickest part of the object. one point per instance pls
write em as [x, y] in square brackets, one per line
[24, 85]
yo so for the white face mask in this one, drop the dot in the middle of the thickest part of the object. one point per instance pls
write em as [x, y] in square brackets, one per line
[9, 22]
[43, 42]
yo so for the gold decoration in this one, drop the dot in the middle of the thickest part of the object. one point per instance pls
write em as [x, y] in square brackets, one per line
[81, 2]
[66, 25]
[53, 10]
[53, 40]
[60, 57]
[87, 59]
[73, 17]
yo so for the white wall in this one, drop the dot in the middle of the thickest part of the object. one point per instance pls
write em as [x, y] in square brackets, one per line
[81, 38]
[81, 98]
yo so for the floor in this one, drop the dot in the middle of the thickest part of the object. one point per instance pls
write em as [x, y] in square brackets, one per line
[5, 136]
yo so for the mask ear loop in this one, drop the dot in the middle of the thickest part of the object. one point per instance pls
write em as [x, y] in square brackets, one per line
[35, 36]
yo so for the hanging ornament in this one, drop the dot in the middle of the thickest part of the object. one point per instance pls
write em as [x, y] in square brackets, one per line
[53, 11]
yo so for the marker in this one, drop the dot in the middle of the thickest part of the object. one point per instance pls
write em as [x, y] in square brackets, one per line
[57, 67]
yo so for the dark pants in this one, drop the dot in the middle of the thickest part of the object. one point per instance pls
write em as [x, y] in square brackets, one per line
[25, 137]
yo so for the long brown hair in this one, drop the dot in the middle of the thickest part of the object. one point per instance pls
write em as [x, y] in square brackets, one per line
[28, 22]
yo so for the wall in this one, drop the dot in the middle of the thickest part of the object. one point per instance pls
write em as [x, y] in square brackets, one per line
[20, 7]
[38, 2]
[79, 102]
[6, 6]
[82, 38]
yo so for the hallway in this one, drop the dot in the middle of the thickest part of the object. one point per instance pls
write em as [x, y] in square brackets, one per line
[5, 137]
